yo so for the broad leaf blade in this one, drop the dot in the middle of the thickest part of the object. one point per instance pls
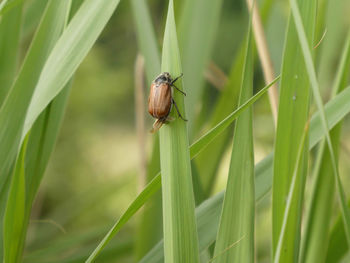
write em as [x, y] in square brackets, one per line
[69, 52]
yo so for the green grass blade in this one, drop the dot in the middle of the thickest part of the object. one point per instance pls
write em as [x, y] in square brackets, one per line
[195, 148]
[14, 218]
[293, 113]
[336, 109]
[7, 5]
[142, 198]
[208, 162]
[208, 213]
[338, 246]
[146, 39]
[211, 157]
[150, 226]
[238, 213]
[198, 25]
[318, 217]
[69, 52]
[294, 199]
[10, 27]
[13, 111]
[179, 225]
[315, 88]
[209, 136]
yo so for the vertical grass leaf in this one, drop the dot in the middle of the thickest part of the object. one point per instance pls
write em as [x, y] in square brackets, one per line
[179, 225]
[14, 219]
[292, 200]
[238, 212]
[318, 221]
[293, 114]
[316, 92]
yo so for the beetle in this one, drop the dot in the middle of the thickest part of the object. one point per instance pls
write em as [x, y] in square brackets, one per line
[160, 99]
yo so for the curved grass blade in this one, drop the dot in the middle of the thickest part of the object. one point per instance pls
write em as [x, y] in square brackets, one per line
[293, 114]
[10, 27]
[13, 111]
[238, 212]
[69, 51]
[295, 192]
[315, 88]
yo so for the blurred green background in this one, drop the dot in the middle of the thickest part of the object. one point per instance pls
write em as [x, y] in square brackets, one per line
[94, 171]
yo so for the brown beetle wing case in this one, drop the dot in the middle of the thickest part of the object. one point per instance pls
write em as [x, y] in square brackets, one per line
[159, 100]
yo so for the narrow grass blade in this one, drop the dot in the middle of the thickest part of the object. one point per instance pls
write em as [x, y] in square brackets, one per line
[198, 25]
[69, 52]
[208, 213]
[315, 88]
[208, 162]
[154, 185]
[142, 198]
[293, 113]
[179, 225]
[10, 27]
[294, 199]
[202, 142]
[238, 213]
[208, 221]
[146, 39]
[211, 157]
[14, 218]
[318, 222]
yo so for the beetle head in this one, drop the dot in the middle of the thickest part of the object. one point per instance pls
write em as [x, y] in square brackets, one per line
[164, 77]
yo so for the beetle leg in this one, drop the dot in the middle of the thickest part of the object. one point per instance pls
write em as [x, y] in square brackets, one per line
[176, 79]
[177, 109]
[178, 89]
